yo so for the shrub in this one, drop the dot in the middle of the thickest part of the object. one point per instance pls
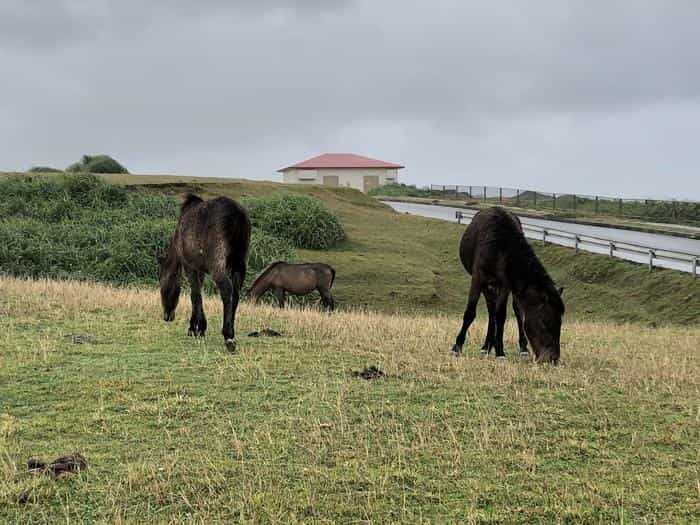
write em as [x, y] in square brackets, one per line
[399, 190]
[303, 220]
[81, 227]
[44, 169]
[96, 164]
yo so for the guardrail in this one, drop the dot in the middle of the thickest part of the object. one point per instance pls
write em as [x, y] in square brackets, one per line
[613, 247]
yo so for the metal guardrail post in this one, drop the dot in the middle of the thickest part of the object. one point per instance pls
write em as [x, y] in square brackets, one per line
[484, 192]
[471, 193]
[577, 240]
[544, 236]
[612, 249]
[500, 195]
[695, 267]
[458, 215]
[652, 254]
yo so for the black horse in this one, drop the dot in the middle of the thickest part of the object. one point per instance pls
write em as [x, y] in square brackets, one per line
[211, 237]
[500, 260]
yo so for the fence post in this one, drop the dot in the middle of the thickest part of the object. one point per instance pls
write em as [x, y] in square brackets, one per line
[544, 236]
[484, 192]
[652, 253]
[458, 215]
[500, 195]
[619, 206]
[596, 203]
[471, 195]
[554, 201]
[612, 249]
[695, 267]
[517, 197]
[577, 240]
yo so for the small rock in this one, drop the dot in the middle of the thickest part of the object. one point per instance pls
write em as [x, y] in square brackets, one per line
[265, 332]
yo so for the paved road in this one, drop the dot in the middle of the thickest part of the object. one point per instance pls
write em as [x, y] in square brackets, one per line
[659, 242]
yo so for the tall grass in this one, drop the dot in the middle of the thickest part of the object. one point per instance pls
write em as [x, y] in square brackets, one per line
[80, 227]
[304, 220]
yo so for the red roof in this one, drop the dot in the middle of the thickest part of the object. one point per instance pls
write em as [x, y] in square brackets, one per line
[341, 160]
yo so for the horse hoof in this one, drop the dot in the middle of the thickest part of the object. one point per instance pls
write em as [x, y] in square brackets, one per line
[456, 351]
[501, 357]
[230, 345]
[524, 353]
[485, 351]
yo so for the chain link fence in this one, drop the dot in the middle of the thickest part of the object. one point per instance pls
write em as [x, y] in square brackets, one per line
[676, 212]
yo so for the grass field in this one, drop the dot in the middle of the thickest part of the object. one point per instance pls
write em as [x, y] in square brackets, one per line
[178, 431]
[400, 263]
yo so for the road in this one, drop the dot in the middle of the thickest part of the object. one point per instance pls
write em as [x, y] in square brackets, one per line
[663, 244]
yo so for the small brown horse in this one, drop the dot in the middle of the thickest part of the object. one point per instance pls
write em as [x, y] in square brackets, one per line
[500, 260]
[211, 237]
[297, 279]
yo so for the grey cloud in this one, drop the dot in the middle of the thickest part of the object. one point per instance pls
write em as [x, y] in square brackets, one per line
[450, 88]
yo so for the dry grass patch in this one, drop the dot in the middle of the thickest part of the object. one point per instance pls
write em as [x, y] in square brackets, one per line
[177, 430]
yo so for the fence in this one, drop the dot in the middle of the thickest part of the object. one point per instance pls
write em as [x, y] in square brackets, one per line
[613, 248]
[678, 212]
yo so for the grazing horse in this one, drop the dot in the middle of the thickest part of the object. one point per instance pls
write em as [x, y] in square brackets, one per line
[500, 260]
[211, 237]
[297, 279]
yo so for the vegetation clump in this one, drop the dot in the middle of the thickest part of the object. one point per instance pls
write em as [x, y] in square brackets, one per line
[400, 190]
[44, 169]
[96, 164]
[305, 221]
[81, 227]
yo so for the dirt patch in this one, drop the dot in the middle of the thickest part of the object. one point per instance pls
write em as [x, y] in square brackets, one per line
[265, 332]
[82, 339]
[370, 373]
[60, 467]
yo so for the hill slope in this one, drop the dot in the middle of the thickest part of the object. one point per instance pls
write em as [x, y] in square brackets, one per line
[393, 262]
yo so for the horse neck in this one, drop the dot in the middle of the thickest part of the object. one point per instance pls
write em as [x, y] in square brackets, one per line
[260, 285]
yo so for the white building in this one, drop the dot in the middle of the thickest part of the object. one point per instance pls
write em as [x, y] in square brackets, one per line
[342, 169]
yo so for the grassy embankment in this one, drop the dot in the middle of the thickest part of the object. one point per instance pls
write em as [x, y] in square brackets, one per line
[392, 262]
[177, 430]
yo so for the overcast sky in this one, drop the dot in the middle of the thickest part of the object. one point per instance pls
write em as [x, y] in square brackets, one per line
[587, 96]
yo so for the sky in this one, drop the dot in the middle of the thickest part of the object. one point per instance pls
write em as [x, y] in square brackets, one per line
[580, 96]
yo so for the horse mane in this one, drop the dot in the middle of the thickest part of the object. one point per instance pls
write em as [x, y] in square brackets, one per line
[189, 200]
[525, 265]
[264, 272]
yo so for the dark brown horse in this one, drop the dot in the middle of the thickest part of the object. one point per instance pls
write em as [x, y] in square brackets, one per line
[211, 237]
[297, 279]
[500, 260]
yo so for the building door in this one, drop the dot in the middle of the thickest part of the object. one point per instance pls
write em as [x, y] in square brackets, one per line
[370, 182]
[330, 180]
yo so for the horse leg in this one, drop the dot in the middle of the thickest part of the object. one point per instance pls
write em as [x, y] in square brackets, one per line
[489, 342]
[469, 315]
[522, 340]
[279, 294]
[237, 283]
[501, 308]
[225, 286]
[198, 322]
[326, 298]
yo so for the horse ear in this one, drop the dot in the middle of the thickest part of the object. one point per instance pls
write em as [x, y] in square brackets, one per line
[561, 291]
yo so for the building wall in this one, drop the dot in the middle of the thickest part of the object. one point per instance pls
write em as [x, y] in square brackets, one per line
[347, 177]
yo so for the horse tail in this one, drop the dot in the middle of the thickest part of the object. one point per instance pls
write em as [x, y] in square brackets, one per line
[332, 276]
[238, 244]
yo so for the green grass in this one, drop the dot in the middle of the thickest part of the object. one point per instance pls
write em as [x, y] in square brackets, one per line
[179, 431]
[392, 262]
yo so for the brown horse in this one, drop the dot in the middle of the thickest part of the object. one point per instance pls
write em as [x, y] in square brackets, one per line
[500, 260]
[297, 279]
[211, 237]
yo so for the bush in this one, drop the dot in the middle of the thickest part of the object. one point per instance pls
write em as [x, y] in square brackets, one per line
[44, 169]
[96, 164]
[399, 190]
[81, 227]
[303, 220]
